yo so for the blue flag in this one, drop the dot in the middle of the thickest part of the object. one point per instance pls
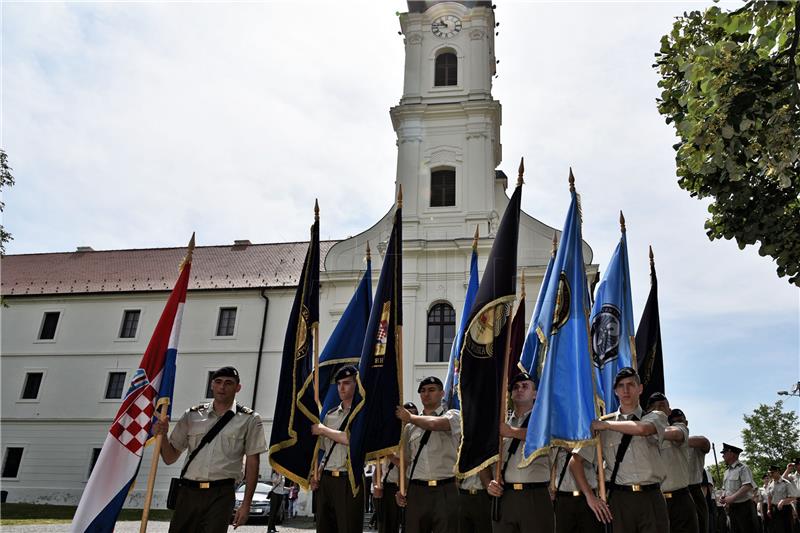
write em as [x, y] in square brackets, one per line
[565, 403]
[345, 343]
[531, 358]
[612, 334]
[451, 383]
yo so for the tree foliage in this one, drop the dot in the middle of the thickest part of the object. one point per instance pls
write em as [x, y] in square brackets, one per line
[772, 436]
[6, 180]
[729, 83]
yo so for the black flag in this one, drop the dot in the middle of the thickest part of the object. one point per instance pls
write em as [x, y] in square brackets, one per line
[483, 352]
[650, 361]
[291, 446]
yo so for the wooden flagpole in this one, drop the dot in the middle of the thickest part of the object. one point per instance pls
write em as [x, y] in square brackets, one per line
[315, 333]
[163, 405]
[399, 355]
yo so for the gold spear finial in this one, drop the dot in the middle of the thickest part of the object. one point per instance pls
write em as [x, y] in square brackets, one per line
[369, 253]
[316, 209]
[521, 171]
[522, 283]
[555, 243]
[475, 238]
[571, 180]
[187, 260]
[400, 196]
[621, 221]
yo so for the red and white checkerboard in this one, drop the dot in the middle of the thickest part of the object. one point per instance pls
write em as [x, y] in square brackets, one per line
[133, 428]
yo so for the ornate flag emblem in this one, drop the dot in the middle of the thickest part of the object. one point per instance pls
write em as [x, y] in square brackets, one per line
[605, 335]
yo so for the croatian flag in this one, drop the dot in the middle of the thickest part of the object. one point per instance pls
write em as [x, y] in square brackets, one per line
[151, 386]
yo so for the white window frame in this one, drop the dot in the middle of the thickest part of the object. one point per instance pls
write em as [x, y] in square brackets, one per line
[235, 323]
[27, 371]
[6, 446]
[103, 398]
[119, 337]
[60, 312]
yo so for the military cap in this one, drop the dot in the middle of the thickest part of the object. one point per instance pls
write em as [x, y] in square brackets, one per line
[625, 372]
[226, 372]
[728, 448]
[675, 414]
[430, 380]
[797, 460]
[774, 468]
[656, 397]
[345, 372]
[522, 376]
[410, 405]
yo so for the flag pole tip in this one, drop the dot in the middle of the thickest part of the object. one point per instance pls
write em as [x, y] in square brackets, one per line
[369, 253]
[621, 221]
[652, 258]
[522, 284]
[555, 242]
[316, 209]
[400, 196]
[571, 180]
[475, 237]
[521, 171]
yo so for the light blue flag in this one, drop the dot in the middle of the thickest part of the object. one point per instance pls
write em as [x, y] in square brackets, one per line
[612, 332]
[566, 401]
[530, 360]
[451, 383]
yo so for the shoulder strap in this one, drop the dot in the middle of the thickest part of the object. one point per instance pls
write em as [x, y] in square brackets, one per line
[388, 469]
[341, 428]
[563, 470]
[512, 448]
[425, 438]
[621, 450]
[208, 437]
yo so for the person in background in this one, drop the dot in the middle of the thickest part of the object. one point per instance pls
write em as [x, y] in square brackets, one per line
[275, 499]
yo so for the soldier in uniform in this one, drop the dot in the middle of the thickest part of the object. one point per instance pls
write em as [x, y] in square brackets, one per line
[431, 440]
[675, 487]
[525, 505]
[574, 514]
[738, 486]
[389, 517]
[206, 495]
[633, 470]
[696, 452]
[338, 509]
[474, 505]
[781, 495]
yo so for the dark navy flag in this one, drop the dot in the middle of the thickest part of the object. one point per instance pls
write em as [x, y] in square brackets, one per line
[532, 358]
[517, 337]
[451, 382]
[612, 333]
[483, 353]
[291, 450]
[566, 399]
[648, 341]
[345, 343]
[373, 428]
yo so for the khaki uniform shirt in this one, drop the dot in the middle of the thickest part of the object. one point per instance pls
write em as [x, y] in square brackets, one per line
[676, 464]
[393, 475]
[537, 471]
[589, 456]
[783, 488]
[696, 459]
[222, 457]
[438, 458]
[642, 464]
[737, 475]
[338, 457]
[471, 483]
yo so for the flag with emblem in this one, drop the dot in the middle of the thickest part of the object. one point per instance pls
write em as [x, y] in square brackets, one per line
[291, 450]
[484, 351]
[151, 386]
[650, 360]
[373, 429]
[612, 334]
[532, 358]
[566, 401]
[451, 381]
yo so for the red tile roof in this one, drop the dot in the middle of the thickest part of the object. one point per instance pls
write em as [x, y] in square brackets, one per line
[155, 269]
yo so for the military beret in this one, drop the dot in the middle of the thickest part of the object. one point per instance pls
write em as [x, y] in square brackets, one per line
[773, 468]
[675, 414]
[626, 372]
[410, 405]
[345, 372]
[797, 460]
[430, 380]
[226, 372]
[522, 376]
[728, 448]
[656, 397]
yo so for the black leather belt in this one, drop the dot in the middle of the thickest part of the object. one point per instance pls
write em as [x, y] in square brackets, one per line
[471, 492]
[526, 486]
[565, 494]
[390, 485]
[674, 493]
[636, 488]
[207, 484]
[696, 486]
[334, 473]
[433, 482]
[739, 504]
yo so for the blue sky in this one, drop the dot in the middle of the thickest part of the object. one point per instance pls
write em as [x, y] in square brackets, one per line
[133, 124]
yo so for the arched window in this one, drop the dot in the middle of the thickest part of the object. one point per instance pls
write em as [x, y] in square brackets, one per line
[441, 332]
[446, 70]
[443, 187]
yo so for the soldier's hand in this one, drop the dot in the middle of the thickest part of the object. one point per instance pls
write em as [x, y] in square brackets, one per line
[240, 518]
[506, 430]
[495, 489]
[600, 509]
[400, 498]
[314, 484]
[160, 427]
[598, 425]
[377, 493]
[403, 414]
[315, 429]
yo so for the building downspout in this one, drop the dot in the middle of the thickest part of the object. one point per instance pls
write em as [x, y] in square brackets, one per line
[260, 346]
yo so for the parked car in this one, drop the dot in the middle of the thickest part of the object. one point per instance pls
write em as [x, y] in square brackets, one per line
[259, 508]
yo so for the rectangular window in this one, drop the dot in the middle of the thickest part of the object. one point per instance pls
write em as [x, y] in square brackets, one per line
[49, 325]
[443, 188]
[130, 322]
[11, 462]
[209, 393]
[226, 321]
[33, 381]
[93, 460]
[115, 385]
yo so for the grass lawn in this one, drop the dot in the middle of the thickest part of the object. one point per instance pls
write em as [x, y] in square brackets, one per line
[20, 514]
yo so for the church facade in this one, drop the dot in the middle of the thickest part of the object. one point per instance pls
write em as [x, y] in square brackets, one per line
[77, 323]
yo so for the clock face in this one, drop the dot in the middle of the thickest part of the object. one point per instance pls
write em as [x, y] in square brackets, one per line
[446, 26]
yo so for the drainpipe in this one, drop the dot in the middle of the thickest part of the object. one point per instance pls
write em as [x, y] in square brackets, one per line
[260, 346]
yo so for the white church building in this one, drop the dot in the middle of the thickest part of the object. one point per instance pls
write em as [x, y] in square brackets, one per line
[76, 324]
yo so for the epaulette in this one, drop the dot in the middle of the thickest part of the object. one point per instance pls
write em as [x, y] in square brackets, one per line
[199, 406]
[332, 410]
[243, 409]
[608, 416]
